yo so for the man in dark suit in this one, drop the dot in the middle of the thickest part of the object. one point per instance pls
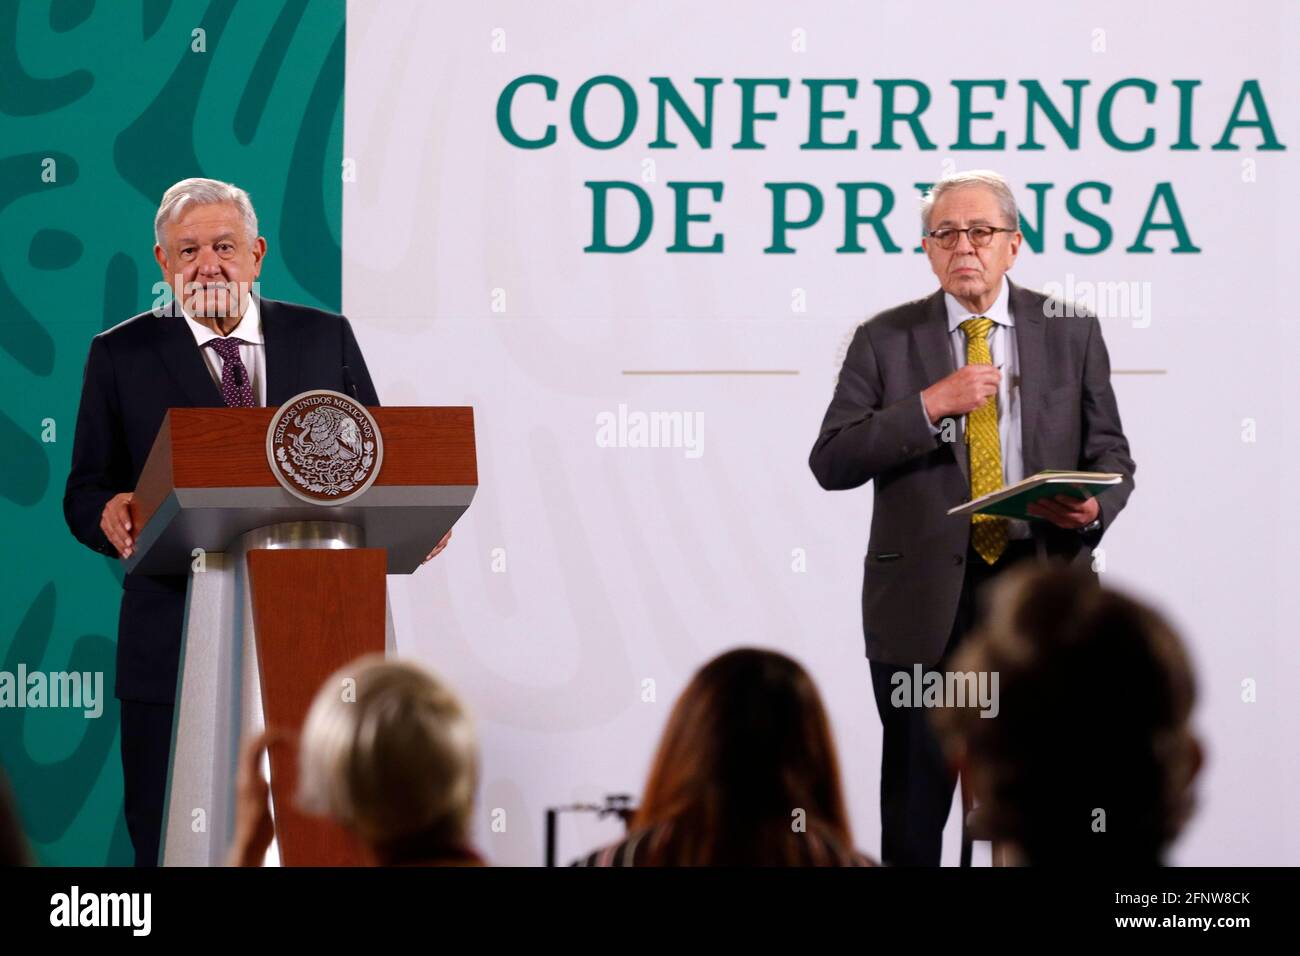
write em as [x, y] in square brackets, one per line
[944, 399]
[215, 344]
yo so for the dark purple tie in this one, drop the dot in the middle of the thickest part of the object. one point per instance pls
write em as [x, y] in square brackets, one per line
[236, 388]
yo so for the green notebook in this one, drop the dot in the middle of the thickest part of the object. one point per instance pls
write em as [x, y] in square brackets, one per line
[1011, 501]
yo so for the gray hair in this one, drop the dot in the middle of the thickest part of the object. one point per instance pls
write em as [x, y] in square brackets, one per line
[976, 177]
[202, 192]
[397, 756]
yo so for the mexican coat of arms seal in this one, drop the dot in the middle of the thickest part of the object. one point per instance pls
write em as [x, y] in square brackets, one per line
[324, 447]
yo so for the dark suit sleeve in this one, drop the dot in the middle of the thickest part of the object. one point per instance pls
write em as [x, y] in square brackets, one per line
[859, 438]
[100, 468]
[355, 363]
[1104, 446]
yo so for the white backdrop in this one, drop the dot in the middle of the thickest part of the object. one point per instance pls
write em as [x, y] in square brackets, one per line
[580, 572]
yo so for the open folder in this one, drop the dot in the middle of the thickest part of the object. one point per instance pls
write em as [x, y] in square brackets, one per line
[1012, 500]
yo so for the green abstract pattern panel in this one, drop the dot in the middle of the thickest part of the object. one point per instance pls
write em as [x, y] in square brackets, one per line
[103, 104]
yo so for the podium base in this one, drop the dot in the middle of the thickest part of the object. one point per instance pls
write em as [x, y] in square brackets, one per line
[221, 685]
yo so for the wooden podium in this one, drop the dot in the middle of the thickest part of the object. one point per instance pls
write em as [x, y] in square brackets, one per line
[283, 592]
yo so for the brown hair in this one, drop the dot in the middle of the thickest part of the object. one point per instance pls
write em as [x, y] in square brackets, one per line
[747, 747]
[1095, 695]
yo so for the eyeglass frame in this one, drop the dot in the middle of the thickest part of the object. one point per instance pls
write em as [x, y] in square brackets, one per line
[993, 230]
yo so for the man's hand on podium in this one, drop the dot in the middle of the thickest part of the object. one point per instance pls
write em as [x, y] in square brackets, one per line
[115, 522]
[1066, 511]
[437, 549]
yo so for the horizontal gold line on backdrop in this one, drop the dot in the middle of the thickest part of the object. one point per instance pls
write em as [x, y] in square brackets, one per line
[780, 371]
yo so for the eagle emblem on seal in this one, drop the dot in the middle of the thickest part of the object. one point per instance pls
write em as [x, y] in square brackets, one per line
[324, 447]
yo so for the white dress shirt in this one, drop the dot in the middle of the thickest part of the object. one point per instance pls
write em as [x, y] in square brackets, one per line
[1006, 357]
[252, 353]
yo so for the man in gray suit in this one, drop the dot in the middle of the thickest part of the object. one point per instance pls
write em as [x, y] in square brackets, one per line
[941, 400]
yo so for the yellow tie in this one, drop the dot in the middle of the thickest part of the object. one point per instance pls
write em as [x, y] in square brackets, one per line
[988, 532]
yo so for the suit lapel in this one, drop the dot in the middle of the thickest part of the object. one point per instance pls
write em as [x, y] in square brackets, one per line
[180, 354]
[1031, 348]
[281, 355]
[930, 337]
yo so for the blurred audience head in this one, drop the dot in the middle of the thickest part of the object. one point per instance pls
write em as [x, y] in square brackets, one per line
[1091, 757]
[13, 845]
[746, 771]
[388, 751]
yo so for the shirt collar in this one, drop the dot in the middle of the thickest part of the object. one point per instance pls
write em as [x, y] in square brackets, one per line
[999, 311]
[249, 328]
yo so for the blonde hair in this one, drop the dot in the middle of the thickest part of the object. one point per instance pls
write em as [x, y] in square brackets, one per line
[388, 751]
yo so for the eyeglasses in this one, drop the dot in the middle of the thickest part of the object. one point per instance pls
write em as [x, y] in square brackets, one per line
[979, 235]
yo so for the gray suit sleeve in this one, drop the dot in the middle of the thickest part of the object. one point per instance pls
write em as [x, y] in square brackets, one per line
[861, 438]
[1104, 446]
